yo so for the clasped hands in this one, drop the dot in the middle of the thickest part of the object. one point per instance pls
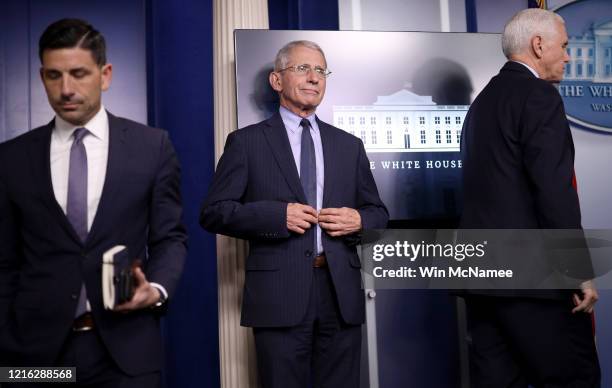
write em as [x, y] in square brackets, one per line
[334, 221]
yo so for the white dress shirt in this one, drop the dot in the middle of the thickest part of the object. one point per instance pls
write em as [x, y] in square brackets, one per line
[96, 146]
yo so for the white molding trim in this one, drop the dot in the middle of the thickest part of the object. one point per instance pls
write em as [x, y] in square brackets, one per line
[236, 346]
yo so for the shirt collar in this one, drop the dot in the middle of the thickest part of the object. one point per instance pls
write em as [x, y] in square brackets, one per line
[97, 126]
[528, 67]
[292, 121]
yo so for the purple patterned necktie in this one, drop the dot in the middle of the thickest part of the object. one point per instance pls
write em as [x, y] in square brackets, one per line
[76, 204]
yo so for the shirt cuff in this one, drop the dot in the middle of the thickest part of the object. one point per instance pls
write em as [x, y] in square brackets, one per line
[161, 289]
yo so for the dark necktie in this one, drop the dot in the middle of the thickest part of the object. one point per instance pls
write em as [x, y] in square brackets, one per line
[76, 204]
[308, 165]
[308, 172]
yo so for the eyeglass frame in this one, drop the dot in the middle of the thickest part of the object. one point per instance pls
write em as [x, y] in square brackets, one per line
[294, 68]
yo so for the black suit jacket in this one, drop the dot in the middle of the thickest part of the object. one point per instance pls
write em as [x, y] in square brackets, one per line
[518, 158]
[43, 262]
[255, 180]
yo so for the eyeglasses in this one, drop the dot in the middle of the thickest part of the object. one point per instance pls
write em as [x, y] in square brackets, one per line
[305, 68]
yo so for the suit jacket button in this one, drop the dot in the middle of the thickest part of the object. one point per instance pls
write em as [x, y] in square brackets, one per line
[74, 296]
[308, 253]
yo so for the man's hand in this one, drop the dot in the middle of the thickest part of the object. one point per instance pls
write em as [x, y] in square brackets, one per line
[590, 297]
[340, 222]
[300, 217]
[145, 294]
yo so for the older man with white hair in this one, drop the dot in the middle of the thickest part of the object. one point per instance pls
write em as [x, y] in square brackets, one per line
[518, 173]
[300, 191]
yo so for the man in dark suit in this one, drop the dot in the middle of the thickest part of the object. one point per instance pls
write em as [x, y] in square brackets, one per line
[518, 173]
[300, 191]
[69, 191]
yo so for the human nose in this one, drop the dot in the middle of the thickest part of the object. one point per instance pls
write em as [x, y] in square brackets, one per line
[67, 89]
[312, 76]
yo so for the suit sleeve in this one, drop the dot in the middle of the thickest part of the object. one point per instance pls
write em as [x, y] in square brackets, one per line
[167, 235]
[373, 212]
[225, 210]
[9, 272]
[548, 159]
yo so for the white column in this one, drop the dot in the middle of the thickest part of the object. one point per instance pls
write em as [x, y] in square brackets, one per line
[236, 348]
[350, 14]
[444, 16]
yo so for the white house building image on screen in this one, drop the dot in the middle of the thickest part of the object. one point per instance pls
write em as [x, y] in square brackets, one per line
[591, 55]
[404, 122]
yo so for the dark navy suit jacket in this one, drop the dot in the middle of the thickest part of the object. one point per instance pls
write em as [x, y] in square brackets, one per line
[255, 180]
[518, 156]
[518, 164]
[43, 262]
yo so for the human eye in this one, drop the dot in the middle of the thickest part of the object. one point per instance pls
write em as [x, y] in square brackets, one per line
[79, 73]
[302, 68]
[52, 74]
[320, 70]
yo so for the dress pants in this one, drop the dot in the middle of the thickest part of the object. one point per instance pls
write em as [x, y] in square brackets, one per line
[519, 341]
[321, 352]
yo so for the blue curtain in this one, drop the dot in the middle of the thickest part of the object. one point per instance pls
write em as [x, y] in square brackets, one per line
[470, 16]
[180, 99]
[303, 15]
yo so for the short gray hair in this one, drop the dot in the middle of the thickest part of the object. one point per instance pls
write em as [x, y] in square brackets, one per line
[282, 57]
[525, 25]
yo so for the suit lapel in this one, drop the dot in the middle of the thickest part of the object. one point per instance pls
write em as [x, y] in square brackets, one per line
[117, 159]
[276, 135]
[40, 164]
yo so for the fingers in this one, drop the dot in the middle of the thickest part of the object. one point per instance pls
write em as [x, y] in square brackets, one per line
[304, 212]
[578, 303]
[139, 276]
[128, 306]
[299, 229]
[309, 219]
[586, 304]
[333, 215]
[330, 226]
[300, 217]
[335, 229]
[330, 218]
[345, 214]
[335, 221]
[582, 306]
[331, 211]
[339, 222]
[144, 296]
[141, 292]
[309, 210]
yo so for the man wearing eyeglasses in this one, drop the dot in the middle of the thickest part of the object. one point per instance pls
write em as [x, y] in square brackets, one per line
[300, 191]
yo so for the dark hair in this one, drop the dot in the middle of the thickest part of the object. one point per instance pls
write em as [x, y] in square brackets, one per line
[72, 33]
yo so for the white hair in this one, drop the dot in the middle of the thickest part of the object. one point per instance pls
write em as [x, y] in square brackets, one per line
[282, 57]
[525, 25]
